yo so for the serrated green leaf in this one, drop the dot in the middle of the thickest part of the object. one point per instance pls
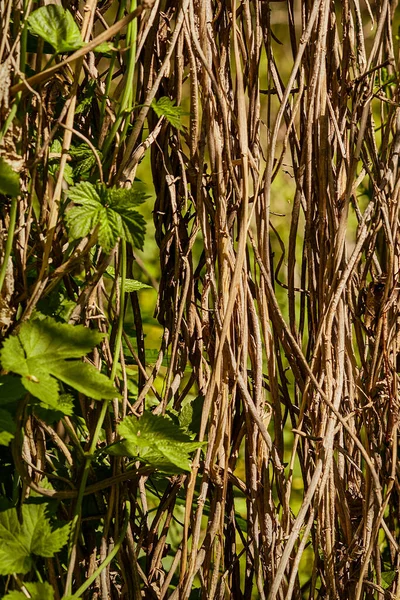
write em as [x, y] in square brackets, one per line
[111, 209]
[43, 352]
[83, 168]
[131, 285]
[123, 199]
[57, 340]
[37, 591]
[85, 103]
[56, 147]
[12, 355]
[56, 25]
[35, 536]
[134, 228]
[83, 157]
[81, 151]
[110, 228]
[7, 427]
[157, 441]
[9, 180]
[69, 174]
[85, 193]
[45, 540]
[41, 385]
[164, 107]
[81, 220]
[65, 406]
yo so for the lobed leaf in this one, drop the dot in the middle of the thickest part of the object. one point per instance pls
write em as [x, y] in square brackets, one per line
[112, 210]
[157, 441]
[19, 542]
[44, 351]
[164, 107]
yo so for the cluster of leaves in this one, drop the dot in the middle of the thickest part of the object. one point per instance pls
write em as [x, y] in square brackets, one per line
[44, 366]
[41, 359]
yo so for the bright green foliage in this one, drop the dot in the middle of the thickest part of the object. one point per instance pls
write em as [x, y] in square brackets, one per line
[56, 25]
[44, 351]
[7, 427]
[112, 210]
[131, 285]
[9, 179]
[82, 155]
[106, 48]
[387, 579]
[35, 536]
[37, 591]
[157, 441]
[164, 107]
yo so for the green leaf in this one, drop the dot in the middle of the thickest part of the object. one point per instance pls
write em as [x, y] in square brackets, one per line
[9, 180]
[56, 25]
[42, 385]
[387, 578]
[110, 228]
[164, 107]
[56, 148]
[7, 427]
[131, 285]
[69, 174]
[65, 406]
[35, 536]
[190, 414]
[83, 157]
[105, 48]
[44, 351]
[47, 337]
[81, 220]
[85, 103]
[86, 379]
[157, 441]
[37, 591]
[112, 210]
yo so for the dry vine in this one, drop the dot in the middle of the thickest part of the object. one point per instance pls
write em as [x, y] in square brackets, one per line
[287, 323]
